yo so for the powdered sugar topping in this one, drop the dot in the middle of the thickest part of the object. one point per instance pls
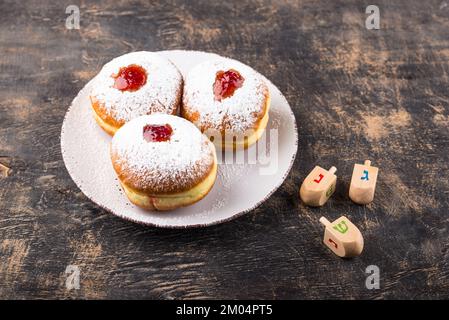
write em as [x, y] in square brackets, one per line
[159, 94]
[163, 166]
[237, 113]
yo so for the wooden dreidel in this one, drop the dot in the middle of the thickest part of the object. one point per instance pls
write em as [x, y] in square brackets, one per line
[363, 183]
[342, 237]
[318, 186]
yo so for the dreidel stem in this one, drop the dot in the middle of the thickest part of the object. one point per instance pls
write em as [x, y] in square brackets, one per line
[332, 170]
[325, 222]
[367, 163]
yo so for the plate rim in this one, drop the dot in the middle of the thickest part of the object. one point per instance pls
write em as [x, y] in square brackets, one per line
[197, 225]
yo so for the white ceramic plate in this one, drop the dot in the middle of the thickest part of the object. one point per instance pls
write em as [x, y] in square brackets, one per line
[238, 189]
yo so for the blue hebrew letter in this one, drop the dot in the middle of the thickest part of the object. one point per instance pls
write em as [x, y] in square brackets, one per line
[365, 175]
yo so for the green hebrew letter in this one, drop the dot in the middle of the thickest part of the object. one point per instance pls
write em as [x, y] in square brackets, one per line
[341, 227]
[330, 191]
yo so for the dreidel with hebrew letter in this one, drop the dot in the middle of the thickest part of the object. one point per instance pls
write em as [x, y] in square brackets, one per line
[342, 237]
[318, 186]
[363, 183]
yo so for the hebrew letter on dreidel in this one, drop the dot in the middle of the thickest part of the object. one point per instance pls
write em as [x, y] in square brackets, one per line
[318, 186]
[330, 191]
[363, 183]
[342, 237]
[333, 242]
[365, 175]
[341, 227]
[319, 179]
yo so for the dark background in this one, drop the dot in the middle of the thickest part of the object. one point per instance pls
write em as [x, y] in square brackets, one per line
[356, 94]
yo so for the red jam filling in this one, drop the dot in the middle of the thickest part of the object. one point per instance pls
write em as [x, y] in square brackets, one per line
[130, 78]
[157, 132]
[226, 82]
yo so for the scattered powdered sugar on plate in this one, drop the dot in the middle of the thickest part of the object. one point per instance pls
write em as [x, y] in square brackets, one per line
[275, 118]
[230, 174]
[238, 112]
[160, 93]
[163, 166]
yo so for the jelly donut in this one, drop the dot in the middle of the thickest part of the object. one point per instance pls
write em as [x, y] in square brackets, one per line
[228, 99]
[163, 162]
[132, 85]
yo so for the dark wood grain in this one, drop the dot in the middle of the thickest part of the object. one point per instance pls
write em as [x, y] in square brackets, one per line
[356, 93]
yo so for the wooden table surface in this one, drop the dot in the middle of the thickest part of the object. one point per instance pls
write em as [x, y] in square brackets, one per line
[356, 94]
